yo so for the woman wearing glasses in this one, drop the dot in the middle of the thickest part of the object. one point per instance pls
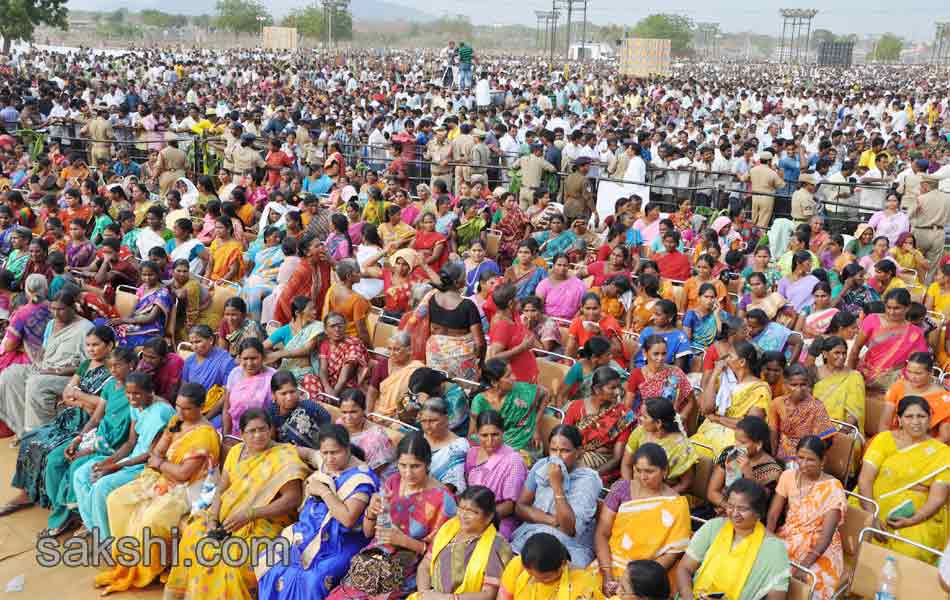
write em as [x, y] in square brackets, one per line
[735, 555]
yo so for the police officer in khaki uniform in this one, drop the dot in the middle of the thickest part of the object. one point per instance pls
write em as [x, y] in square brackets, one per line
[532, 167]
[578, 195]
[804, 206]
[764, 180]
[172, 162]
[928, 219]
[246, 158]
[461, 149]
[479, 156]
[232, 139]
[100, 131]
[909, 186]
[439, 153]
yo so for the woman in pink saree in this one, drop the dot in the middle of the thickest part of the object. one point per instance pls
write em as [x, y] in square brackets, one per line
[890, 339]
[497, 467]
[23, 340]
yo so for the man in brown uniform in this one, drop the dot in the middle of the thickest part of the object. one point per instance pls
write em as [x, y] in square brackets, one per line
[172, 162]
[764, 180]
[928, 219]
[246, 158]
[461, 148]
[232, 139]
[532, 167]
[100, 131]
[439, 152]
[479, 156]
[803, 200]
[578, 197]
[909, 184]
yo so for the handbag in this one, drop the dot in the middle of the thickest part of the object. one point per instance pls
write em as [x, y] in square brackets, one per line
[375, 572]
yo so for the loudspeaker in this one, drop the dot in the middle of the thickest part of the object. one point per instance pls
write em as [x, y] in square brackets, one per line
[835, 54]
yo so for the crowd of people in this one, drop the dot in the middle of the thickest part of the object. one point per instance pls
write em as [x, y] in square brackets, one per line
[473, 341]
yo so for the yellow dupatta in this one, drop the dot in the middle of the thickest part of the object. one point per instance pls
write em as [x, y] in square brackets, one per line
[726, 569]
[843, 395]
[475, 569]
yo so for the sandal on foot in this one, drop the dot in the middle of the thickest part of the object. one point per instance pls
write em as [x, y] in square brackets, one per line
[11, 507]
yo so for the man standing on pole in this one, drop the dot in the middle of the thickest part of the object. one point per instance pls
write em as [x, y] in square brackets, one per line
[466, 55]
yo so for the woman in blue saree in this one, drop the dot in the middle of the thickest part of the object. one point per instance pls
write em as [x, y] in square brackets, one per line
[769, 336]
[266, 255]
[209, 366]
[525, 274]
[329, 531]
[154, 303]
[556, 240]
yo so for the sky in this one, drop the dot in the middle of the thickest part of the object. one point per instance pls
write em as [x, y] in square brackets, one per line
[912, 19]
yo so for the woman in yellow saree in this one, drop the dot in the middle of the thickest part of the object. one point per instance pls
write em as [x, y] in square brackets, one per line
[543, 570]
[257, 496]
[840, 388]
[641, 519]
[909, 466]
[740, 393]
[467, 556]
[660, 424]
[735, 555]
[227, 253]
[156, 500]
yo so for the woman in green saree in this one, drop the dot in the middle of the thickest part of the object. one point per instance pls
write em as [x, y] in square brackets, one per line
[520, 404]
[470, 227]
[80, 396]
[293, 347]
[102, 434]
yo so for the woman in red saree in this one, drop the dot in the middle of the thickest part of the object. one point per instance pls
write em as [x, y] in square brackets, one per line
[311, 279]
[430, 244]
[334, 165]
[672, 263]
[343, 358]
[604, 423]
[511, 221]
[602, 270]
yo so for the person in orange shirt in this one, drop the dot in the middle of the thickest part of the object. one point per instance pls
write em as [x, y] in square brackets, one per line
[74, 172]
[276, 160]
[74, 208]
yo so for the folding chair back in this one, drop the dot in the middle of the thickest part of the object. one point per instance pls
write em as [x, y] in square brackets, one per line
[125, 300]
[917, 578]
[873, 407]
[701, 476]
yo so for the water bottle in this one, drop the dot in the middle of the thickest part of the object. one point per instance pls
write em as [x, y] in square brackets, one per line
[887, 586]
[384, 519]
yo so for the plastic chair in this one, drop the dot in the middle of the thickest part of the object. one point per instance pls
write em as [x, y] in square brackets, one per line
[492, 242]
[798, 589]
[839, 457]
[184, 350]
[703, 472]
[125, 300]
[917, 579]
[856, 520]
[873, 408]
